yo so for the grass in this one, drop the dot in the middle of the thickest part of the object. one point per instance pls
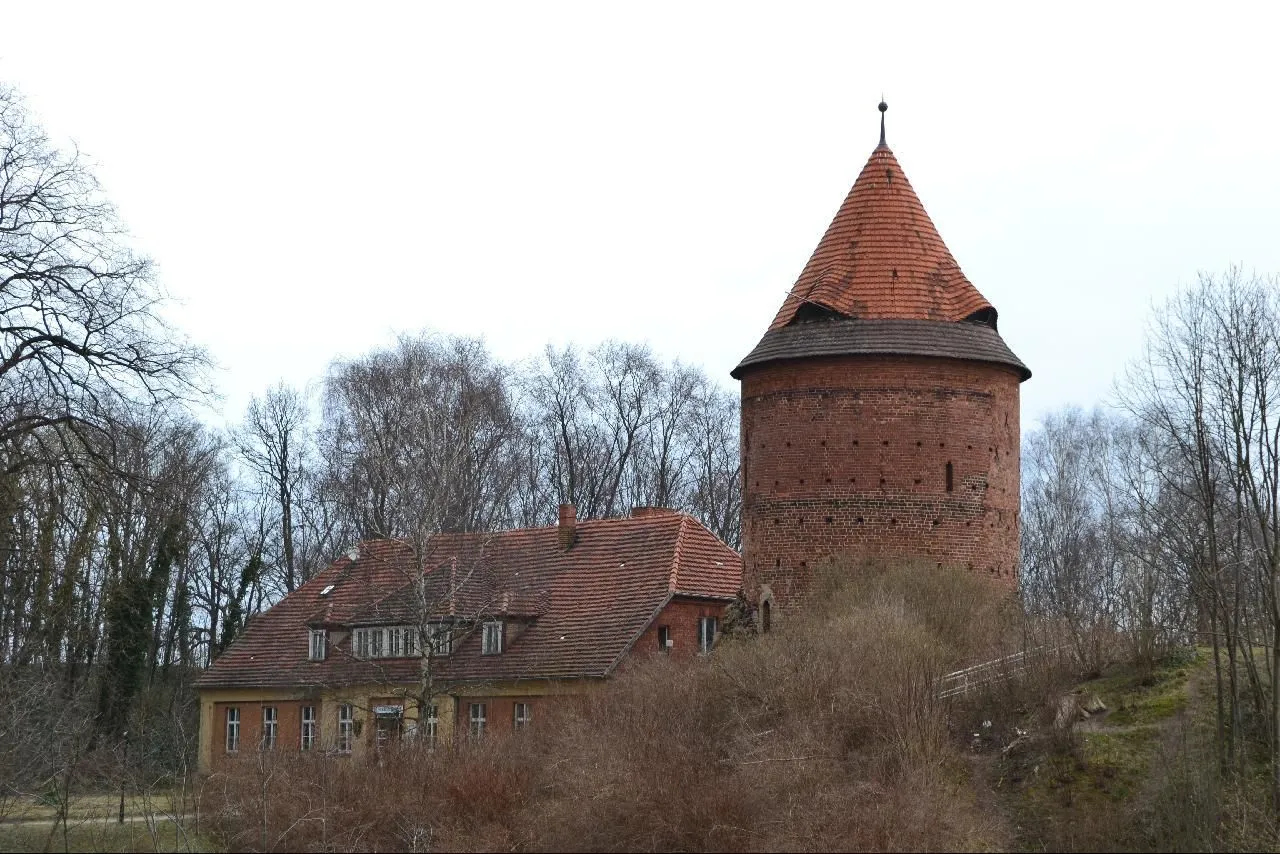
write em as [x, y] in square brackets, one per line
[101, 836]
[1080, 794]
[31, 825]
[89, 807]
[1137, 698]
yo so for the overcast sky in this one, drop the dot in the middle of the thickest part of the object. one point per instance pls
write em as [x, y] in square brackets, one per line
[314, 179]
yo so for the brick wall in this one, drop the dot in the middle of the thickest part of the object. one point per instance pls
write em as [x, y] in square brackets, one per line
[847, 456]
[680, 616]
[288, 726]
[499, 713]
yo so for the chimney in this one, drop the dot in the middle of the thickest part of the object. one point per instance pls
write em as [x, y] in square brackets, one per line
[568, 526]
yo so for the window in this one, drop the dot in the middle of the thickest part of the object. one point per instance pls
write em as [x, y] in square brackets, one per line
[308, 727]
[478, 717]
[395, 642]
[391, 642]
[269, 721]
[431, 726]
[346, 727]
[492, 638]
[950, 477]
[766, 616]
[706, 633]
[664, 638]
[317, 647]
[233, 730]
[441, 638]
[523, 715]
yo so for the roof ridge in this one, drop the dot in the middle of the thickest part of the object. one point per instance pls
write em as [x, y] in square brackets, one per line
[674, 577]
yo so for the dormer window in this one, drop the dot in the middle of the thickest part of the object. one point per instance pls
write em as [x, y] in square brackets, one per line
[441, 638]
[492, 641]
[385, 642]
[318, 641]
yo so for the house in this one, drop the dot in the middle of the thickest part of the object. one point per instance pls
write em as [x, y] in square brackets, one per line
[513, 619]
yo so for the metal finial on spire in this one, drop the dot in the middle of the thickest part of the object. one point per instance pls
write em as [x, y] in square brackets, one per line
[883, 108]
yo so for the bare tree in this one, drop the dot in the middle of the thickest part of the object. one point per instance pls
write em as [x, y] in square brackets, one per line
[1207, 387]
[422, 437]
[273, 442]
[80, 332]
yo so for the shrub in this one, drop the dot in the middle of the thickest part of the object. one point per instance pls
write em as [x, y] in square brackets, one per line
[823, 734]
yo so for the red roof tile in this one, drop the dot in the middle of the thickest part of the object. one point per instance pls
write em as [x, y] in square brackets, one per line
[882, 258]
[580, 610]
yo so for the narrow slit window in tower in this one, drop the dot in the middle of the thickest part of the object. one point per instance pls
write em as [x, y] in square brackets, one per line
[950, 477]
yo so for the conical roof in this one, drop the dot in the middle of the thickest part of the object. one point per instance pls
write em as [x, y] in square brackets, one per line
[882, 282]
[882, 258]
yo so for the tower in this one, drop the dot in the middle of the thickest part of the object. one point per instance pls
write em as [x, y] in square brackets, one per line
[880, 409]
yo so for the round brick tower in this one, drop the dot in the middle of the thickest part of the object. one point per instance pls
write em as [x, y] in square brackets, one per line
[880, 409]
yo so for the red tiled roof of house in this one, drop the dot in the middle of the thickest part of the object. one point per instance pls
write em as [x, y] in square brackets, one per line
[882, 258]
[577, 612]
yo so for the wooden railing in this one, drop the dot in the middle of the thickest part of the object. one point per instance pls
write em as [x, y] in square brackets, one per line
[989, 672]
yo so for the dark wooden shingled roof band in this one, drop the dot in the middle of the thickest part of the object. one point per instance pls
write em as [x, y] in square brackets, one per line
[850, 337]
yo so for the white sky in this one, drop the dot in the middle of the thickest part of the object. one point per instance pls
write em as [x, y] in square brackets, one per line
[313, 179]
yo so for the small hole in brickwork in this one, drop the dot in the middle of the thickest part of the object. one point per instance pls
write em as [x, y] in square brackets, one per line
[967, 524]
[776, 483]
[893, 521]
[886, 443]
[777, 562]
[802, 480]
[855, 443]
[882, 481]
[824, 443]
[776, 521]
[942, 444]
[828, 480]
[828, 520]
[853, 480]
[936, 522]
[991, 450]
[788, 444]
[859, 520]
[970, 447]
[917, 481]
[804, 563]
[918, 444]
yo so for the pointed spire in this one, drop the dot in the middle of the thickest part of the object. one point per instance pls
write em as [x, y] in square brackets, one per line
[882, 257]
[884, 108]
